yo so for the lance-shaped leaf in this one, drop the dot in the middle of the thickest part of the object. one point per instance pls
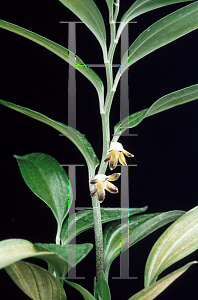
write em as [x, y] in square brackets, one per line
[66, 252]
[75, 136]
[35, 281]
[159, 34]
[110, 4]
[139, 227]
[61, 258]
[140, 7]
[48, 180]
[102, 290]
[83, 220]
[166, 102]
[88, 12]
[178, 241]
[153, 290]
[86, 295]
[63, 53]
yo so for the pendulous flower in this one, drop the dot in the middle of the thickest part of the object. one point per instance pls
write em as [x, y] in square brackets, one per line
[116, 152]
[101, 183]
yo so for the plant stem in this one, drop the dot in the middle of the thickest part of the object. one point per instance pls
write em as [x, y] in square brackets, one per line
[106, 142]
[117, 7]
[98, 236]
[58, 240]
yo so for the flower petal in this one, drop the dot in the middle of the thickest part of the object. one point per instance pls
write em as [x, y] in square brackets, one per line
[94, 192]
[127, 153]
[93, 181]
[117, 146]
[114, 159]
[114, 176]
[122, 159]
[100, 178]
[108, 157]
[111, 188]
[101, 195]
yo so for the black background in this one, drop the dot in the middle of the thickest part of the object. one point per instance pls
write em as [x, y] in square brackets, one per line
[165, 149]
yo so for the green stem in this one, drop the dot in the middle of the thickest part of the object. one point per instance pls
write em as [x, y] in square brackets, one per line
[98, 236]
[108, 60]
[106, 142]
[58, 239]
[117, 7]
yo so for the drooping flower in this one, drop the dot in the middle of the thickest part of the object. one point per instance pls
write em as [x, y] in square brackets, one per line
[101, 183]
[115, 153]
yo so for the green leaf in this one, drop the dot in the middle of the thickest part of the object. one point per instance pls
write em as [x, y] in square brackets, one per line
[140, 7]
[67, 55]
[178, 241]
[102, 290]
[88, 12]
[139, 227]
[35, 281]
[86, 295]
[75, 136]
[110, 6]
[152, 291]
[83, 220]
[72, 253]
[159, 34]
[48, 180]
[62, 258]
[166, 102]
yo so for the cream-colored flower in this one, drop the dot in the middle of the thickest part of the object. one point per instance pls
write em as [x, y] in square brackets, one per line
[101, 183]
[116, 152]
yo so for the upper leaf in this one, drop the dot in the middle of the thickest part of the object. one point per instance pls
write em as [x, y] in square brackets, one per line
[35, 281]
[110, 6]
[75, 136]
[178, 241]
[63, 53]
[161, 33]
[88, 12]
[48, 180]
[140, 7]
[166, 102]
[83, 220]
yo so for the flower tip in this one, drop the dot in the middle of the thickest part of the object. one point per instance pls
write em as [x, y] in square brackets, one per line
[112, 166]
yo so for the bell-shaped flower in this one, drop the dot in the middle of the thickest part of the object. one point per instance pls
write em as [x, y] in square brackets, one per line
[115, 153]
[101, 183]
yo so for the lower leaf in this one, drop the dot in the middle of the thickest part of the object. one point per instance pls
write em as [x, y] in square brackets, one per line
[86, 295]
[152, 291]
[139, 227]
[178, 241]
[102, 290]
[59, 258]
[35, 281]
